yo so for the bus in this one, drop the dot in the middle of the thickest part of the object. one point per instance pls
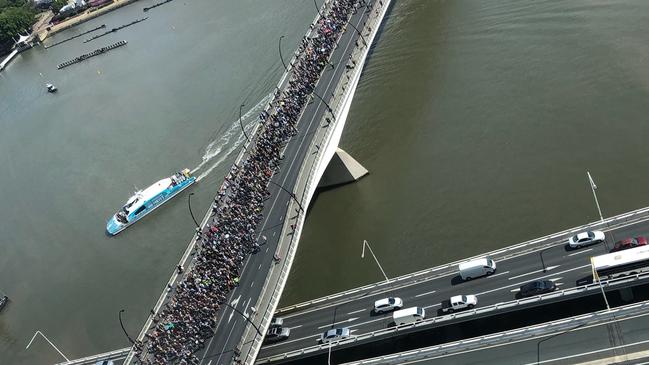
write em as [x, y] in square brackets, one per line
[626, 262]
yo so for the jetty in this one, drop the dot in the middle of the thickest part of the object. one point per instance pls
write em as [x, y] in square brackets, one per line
[94, 53]
[76, 36]
[115, 29]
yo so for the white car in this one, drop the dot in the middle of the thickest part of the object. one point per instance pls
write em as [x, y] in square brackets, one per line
[335, 334]
[586, 238]
[387, 304]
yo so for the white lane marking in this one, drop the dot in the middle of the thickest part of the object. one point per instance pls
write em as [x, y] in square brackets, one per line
[523, 282]
[500, 273]
[292, 328]
[433, 305]
[422, 294]
[259, 268]
[209, 362]
[556, 279]
[245, 309]
[534, 272]
[358, 311]
[230, 317]
[580, 252]
[226, 340]
[251, 284]
[515, 290]
[335, 323]
[236, 301]
[274, 232]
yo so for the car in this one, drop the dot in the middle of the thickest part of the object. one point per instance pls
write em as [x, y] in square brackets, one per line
[277, 334]
[586, 238]
[335, 334]
[387, 304]
[629, 243]
[105, 362]
[537, 287]
[276, 322]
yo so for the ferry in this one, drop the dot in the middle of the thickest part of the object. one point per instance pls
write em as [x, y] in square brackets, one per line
[145, 201]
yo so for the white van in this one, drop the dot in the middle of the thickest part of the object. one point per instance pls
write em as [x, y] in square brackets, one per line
[409, 315]
[477, 268]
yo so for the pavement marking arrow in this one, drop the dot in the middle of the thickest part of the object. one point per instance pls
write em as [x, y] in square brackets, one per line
[231, 315]
[236, 301]
[347, 320]
[534, 272]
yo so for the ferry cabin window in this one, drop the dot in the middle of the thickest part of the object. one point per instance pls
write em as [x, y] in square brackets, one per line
[139, 210]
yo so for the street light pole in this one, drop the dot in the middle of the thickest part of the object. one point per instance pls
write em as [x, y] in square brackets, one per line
[541, 254]
[317, 8]
[124, 329]
[365, 243]
[325, 103]
[593, 187]
[48, 341]
[247, 318]
[596, 277]
[279, 47]
[241, 123]
[189, 204]
[292, 194]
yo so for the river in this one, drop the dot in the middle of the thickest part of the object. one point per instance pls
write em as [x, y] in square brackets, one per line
[477, 120]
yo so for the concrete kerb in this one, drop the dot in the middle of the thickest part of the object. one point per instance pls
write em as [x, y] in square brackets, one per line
[290, 253]
[639, 215]
[520, 334]
[445, 318]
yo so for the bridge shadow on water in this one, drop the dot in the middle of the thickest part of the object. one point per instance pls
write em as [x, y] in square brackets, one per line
[527, 315]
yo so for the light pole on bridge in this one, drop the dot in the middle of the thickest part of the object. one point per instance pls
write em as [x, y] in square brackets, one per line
[189, 204]
[48, 341]
[292, 194]
[279, 48]
[246, 317]
[593, 187]
[124, 329]
[365, 243]
[241, 123]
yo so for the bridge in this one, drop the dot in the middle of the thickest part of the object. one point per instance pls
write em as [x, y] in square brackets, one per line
[312, 159]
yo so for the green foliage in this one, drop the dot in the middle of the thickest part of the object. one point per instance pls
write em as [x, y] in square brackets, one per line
[16, 16]
[57, 5]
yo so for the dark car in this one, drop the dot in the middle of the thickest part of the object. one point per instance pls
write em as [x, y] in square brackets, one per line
[632, 242]
[537, 287]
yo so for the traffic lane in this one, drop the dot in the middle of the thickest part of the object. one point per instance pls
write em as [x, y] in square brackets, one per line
[622, 230]
[301, 150]
[421, 294]
[580, 345]
[488, 290]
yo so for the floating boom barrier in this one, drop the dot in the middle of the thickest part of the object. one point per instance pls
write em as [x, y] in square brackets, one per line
[115, 29]
[156, 5]
[76, 36]
[94, 53]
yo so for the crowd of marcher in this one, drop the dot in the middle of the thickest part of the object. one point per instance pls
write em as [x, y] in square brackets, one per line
[187, 319]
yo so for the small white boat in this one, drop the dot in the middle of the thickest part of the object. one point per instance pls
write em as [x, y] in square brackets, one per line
[51, 88]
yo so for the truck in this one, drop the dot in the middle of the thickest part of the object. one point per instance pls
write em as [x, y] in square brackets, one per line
[477, 268]
[458, 303]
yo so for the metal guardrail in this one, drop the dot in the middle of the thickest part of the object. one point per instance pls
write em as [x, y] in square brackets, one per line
[517, 335]
[309, 183]
[190, 248]
[507, 252]
[594, 287]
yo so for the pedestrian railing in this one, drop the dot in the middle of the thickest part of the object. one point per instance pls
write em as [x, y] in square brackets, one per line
[94, 359]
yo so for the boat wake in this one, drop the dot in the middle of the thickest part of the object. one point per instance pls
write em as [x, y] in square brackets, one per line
[229, 142]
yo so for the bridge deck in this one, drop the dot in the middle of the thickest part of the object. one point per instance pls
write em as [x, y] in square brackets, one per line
[515, 267]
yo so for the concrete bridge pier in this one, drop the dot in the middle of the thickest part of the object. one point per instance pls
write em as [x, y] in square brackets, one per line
[342, 169]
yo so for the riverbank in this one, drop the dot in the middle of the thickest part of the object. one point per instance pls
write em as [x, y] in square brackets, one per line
[81, 18]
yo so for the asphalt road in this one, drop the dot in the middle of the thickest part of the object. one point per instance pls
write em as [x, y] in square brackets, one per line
[564, 267]
[628, 337]
[231, 325]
